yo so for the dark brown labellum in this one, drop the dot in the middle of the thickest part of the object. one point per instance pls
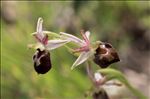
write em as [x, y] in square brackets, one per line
[42, 62]
[105, 55]
[100, 95]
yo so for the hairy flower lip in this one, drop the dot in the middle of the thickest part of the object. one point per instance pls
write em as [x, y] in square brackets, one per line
[42, 61]
[105, 55]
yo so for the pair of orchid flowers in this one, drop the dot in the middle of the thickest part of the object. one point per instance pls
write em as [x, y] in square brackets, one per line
[103, 54]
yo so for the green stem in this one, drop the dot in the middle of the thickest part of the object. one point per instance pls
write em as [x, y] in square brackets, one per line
[89, 71]
[135, 91]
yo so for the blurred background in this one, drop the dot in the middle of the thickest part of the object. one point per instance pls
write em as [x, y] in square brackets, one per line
[126, 25]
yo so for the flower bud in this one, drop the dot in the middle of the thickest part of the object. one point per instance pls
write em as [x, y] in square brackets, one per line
[42, 62]
[105, 55]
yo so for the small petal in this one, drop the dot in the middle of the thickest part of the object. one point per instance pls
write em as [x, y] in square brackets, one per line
[72, 38]
[53, 44]
[87, 33]
[82, 58]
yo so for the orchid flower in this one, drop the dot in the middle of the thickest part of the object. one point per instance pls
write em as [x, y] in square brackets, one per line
[42, 38]
[104, 54]
[85, 47]
[41, 58]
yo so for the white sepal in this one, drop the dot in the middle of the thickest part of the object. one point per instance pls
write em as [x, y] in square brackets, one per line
[39, 25]
[82, 58]
[39, 29]
[72, 38]
[53, 44]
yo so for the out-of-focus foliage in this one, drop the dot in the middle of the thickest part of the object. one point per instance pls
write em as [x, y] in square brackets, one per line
[124, 24]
